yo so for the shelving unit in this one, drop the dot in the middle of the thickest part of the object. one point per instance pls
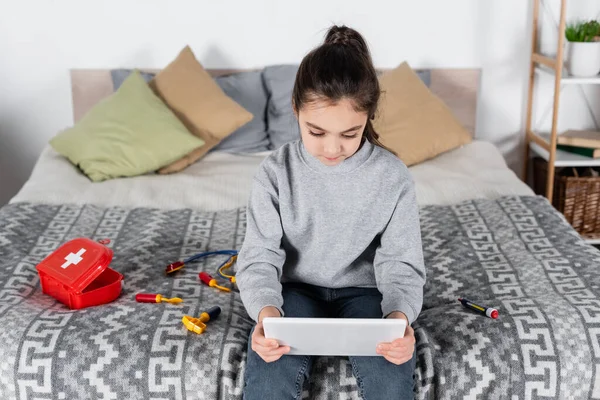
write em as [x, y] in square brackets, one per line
[564, 158]
[568, 79]
[545, 144]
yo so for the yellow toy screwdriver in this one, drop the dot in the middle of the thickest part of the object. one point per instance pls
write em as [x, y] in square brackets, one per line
[198, 325]
[155, 298]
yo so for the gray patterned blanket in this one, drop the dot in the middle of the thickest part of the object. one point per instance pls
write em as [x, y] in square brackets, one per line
[516, 253]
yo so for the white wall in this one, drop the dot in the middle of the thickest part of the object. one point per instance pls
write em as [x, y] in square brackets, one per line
[40, 40]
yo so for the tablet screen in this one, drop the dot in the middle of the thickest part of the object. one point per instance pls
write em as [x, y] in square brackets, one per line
[333, 336]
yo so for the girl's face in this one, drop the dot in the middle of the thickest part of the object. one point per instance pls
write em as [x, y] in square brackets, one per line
[331, 132]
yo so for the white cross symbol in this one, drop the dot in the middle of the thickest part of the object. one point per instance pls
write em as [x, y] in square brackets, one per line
[73, 258]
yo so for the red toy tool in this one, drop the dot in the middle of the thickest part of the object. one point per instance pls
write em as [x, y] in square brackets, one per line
[212, 282]
[155, 298]
[198, 325]
[176, 266]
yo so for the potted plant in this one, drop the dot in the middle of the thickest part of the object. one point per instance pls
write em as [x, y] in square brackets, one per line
[583, 48]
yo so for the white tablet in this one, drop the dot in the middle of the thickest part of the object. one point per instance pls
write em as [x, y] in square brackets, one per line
[333, 336]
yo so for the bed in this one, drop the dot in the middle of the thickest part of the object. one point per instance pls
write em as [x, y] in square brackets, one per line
[486, 236]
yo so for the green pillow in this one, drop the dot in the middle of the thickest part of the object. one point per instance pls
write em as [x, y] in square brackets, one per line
[132, 132]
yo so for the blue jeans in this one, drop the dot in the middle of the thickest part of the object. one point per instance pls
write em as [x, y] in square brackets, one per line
[377, 378]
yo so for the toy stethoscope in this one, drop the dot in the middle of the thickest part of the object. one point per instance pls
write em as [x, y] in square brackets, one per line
[176, 266]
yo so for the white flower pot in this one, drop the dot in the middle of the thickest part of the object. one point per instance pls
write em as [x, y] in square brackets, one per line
[583, 58]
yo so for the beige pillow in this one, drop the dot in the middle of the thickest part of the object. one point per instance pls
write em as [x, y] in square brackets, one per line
[412, 121]
[198, 101]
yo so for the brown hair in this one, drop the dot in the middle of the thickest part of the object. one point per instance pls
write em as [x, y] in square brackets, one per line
[340, 68]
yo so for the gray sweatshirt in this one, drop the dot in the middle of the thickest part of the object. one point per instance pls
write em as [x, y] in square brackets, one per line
[355, 224]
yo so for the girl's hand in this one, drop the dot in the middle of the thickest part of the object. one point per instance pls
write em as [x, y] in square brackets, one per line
[400, 350]
[268, 349]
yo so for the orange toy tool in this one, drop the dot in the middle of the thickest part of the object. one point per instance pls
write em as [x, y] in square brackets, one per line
[212, 282]
[226, 265]
[155, 298]
[198, 325]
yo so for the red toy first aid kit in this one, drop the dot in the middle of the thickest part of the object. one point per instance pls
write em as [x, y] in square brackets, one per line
[77, 274]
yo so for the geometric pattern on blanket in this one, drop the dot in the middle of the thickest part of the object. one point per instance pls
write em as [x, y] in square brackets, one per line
[515, 253]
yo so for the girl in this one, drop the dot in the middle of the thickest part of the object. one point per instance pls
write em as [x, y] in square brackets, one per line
[332, 228]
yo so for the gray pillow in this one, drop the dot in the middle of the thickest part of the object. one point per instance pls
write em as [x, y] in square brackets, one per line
[118, 76]
[248, 90]
[281, 121]
[282, 125]
[425, 75]
[245, 88]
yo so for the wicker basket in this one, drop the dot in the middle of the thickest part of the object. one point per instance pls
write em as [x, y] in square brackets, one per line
[578, 198]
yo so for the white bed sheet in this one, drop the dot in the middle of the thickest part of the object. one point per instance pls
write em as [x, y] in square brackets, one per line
[223, 181]
[474, 171]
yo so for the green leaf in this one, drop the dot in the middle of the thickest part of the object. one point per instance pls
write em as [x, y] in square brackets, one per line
[580, 31]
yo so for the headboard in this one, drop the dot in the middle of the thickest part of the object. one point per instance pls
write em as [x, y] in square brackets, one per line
[458, 88]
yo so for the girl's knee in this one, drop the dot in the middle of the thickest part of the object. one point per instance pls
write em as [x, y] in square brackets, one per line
[281, 379]
[377, 378]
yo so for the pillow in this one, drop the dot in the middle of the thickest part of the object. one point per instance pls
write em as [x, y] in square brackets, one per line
[248, 90]
[281, 121]
[199, 103]
[118, 76]
[425, 76]
[245, 88]
[414, 122]
[129, 133]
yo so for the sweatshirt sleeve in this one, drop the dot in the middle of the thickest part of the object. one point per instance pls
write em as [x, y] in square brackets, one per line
[260, 261]
[399, 264]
